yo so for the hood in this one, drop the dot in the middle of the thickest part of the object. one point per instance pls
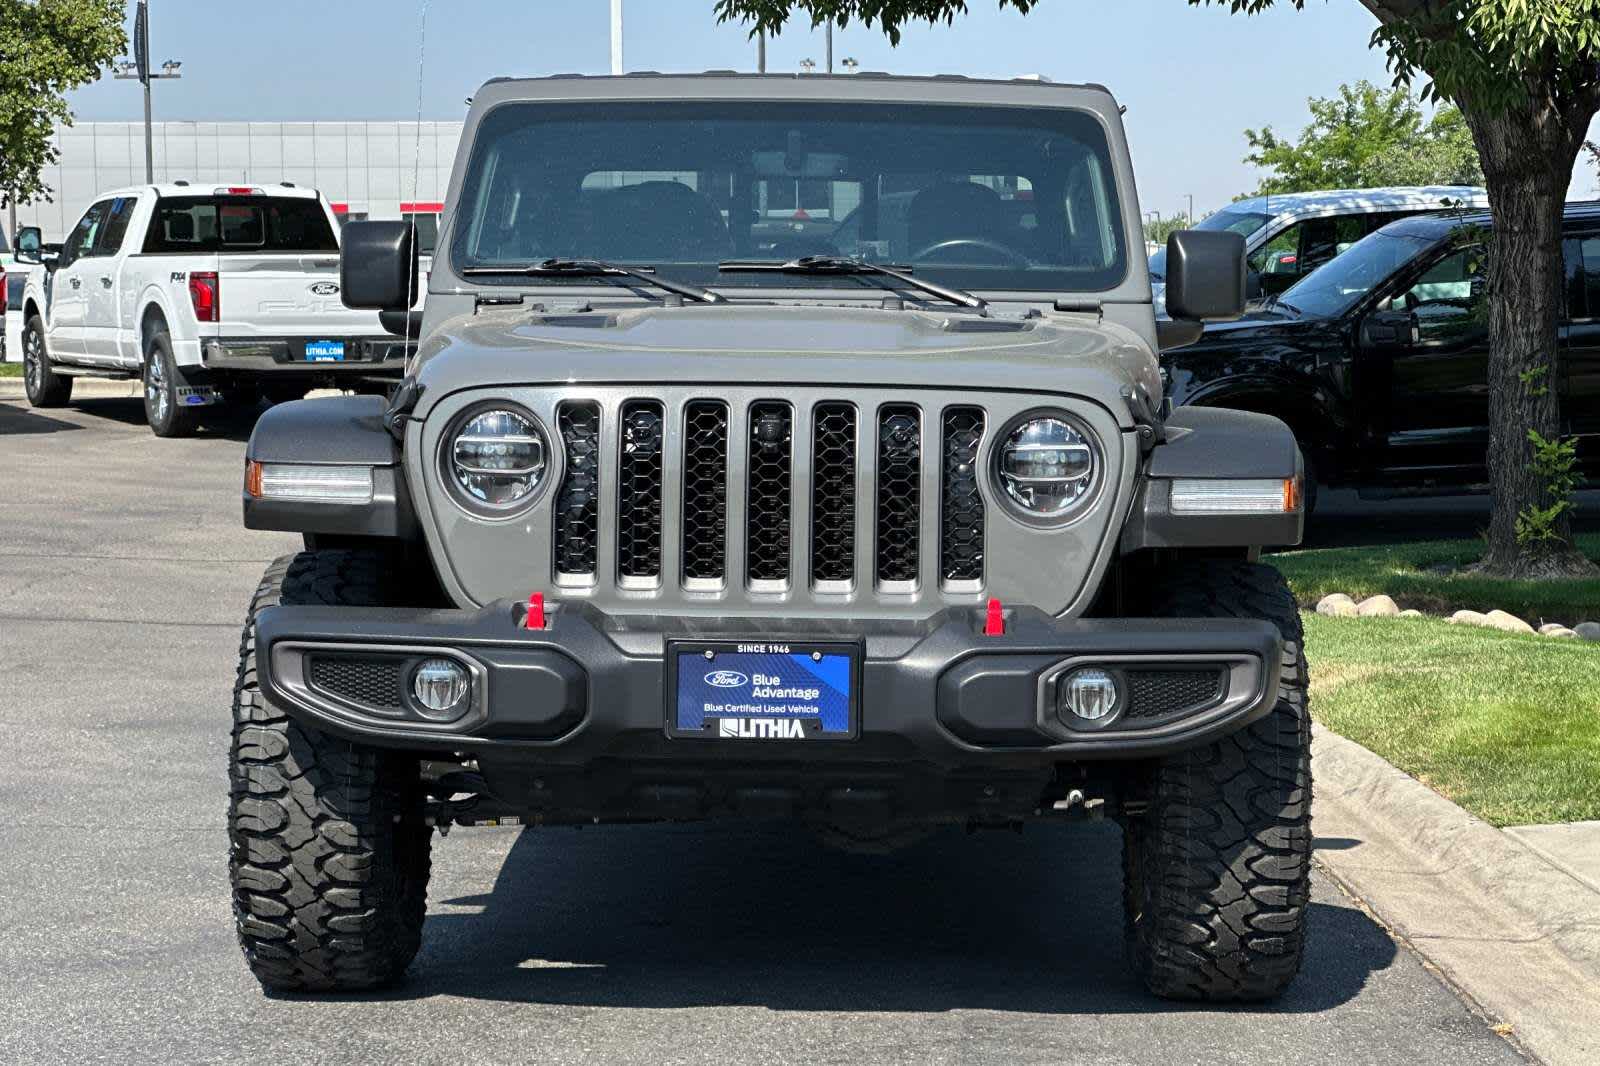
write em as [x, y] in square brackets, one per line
[819, 345]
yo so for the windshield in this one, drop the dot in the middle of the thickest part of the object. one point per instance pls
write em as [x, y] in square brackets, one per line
[1243, 222]
[1339, 285]
[968, 196]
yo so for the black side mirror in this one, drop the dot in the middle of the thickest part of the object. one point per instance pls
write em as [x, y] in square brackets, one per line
[1252, 286]
[30, 245]
[1390, 331]
[1205, 275]
[378, 266]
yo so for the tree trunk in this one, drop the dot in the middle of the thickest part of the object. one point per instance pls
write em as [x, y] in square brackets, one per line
[1528, 153]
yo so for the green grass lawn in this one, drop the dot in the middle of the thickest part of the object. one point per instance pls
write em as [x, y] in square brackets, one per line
[1507, 726]
[1401, 570]
[10, 370]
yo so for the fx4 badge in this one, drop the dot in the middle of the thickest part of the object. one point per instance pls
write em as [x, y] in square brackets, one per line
[180, 275]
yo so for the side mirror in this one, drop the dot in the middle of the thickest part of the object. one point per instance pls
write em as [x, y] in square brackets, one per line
[30, 245]
[378, 267]
[1390, 331]
[1252, 286]
[1205, 275]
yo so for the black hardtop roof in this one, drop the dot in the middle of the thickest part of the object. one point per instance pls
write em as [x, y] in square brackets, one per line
[1438, 225]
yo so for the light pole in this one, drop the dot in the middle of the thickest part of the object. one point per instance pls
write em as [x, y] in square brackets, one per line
[138, 69]
[761, 51]
[616, 36]
[830, 46]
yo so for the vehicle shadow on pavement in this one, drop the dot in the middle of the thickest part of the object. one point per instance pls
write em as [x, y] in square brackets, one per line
[692, 916]
[17, 419]
[224, 424]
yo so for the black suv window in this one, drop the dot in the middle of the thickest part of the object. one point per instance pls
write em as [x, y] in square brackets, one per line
[1583, 276]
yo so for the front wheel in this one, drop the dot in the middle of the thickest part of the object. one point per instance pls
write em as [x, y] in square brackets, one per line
[45, 388]
[1217, 870]
[329, 849]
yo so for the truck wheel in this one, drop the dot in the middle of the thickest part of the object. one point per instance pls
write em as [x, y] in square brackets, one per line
[1217, 870]
[44, 386]
[328, 846]
[163, 409]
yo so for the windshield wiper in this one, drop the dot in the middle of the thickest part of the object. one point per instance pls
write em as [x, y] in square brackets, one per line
[597, 268]
[839, 264]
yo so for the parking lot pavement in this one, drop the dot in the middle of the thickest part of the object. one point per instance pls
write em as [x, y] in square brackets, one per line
[124, 574]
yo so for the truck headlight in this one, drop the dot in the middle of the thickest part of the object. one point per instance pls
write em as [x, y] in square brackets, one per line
[1046, 466]
[497, 458]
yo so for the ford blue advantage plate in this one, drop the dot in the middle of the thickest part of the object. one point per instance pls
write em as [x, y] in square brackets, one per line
[762, 690]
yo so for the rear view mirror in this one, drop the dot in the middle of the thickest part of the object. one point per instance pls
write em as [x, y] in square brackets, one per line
[1205, 275]
[378, 265]
[1390, 330]
[30, 245]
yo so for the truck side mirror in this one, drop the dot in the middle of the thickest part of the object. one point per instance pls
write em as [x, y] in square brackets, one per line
[1390, 331]
[30, 245]
[1205, 275]
[378, 265]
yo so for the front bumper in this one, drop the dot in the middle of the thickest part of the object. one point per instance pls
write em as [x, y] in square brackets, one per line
[592, 688]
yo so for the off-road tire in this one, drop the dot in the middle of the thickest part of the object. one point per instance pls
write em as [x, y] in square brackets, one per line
[164, 410]
[45, 388]
[1217, 870]
[329, 850]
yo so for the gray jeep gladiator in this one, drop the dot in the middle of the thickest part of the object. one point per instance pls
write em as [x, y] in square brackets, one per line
[872, 523]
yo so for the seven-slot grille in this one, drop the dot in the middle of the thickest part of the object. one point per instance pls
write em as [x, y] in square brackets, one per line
[741, 468]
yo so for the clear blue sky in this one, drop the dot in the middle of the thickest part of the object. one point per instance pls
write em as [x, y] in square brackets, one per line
[1192, 79]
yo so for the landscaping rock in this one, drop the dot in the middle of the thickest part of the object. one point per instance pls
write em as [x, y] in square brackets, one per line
[1468, 618]
[1412, 612]
[1558, 631]
[1506, 623]
[1337, 605]
[1587, 630]
[1377, 607]
[1550, 627]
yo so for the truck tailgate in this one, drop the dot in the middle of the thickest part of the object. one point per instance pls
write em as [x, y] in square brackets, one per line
[287, 295]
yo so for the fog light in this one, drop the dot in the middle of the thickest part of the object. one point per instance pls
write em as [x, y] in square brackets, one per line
[1089, 694]
[441, 687]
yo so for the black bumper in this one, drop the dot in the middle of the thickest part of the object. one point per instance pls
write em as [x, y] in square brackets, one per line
[592, 689]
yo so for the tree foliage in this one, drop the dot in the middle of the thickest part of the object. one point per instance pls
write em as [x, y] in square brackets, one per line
[47, 49]
[1158, 230]
[1364, 138]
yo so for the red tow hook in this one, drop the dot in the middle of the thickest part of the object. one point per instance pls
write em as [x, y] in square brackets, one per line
[994, 622]
[536, 618]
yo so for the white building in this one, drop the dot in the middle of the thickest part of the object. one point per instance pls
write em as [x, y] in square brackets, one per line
[368, 169]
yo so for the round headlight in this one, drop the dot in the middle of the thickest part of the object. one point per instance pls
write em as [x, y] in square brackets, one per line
[1046, 467]
[498, 457]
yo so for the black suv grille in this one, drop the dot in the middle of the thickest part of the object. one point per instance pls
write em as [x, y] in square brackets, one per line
[705, 490]
[639, 490]
[577, 508]
[899, 491]
[771, 451]
[833, 493]
[961, 517]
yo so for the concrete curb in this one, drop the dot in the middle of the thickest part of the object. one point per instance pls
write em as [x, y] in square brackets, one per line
[1515, 932]
[82, 388]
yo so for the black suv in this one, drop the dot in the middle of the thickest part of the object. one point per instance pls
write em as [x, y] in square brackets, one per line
[1379, 360]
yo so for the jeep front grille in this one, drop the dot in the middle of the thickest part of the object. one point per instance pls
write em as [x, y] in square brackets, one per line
[788, 479]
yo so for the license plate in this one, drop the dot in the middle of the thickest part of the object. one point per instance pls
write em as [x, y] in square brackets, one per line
[324, 351]
[763, 690]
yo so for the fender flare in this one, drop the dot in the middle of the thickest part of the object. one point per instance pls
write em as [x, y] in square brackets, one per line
[1315, 422]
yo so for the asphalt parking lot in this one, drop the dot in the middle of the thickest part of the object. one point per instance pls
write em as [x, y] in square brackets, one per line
[124, 574]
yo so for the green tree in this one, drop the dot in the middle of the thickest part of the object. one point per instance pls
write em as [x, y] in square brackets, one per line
[1526, 77]
[1364, 138]
[47, 49]
[1159, 230]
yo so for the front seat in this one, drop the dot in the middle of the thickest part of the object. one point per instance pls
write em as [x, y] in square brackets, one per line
[956, 210]
[658, 221]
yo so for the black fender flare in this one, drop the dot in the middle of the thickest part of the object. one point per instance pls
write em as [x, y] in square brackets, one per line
[332, 431]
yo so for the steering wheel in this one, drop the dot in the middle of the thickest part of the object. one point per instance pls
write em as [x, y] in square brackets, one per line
[1015, 257]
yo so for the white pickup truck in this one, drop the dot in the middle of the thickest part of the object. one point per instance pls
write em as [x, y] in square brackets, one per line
[210, 295]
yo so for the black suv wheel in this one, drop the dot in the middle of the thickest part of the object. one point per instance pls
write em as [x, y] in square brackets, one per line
[44, 386]
[1217, 870]
[329, 851]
